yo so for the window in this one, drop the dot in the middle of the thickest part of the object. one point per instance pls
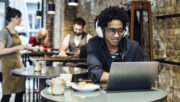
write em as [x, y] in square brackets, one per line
[30, 20]
[29, 25]
[37, 23]
[2, 15]
[34, 23]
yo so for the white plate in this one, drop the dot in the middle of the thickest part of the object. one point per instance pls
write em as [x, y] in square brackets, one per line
[87, 88]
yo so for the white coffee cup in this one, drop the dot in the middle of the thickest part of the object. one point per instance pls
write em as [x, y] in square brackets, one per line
[41, 48]
[49, 50]
[67, 78]
[36, 48]
[37, 66]
[62, 53]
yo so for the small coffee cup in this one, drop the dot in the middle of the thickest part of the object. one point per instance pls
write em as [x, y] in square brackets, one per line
[35, 49]
[37, 66]
[41, 48]
[62, 53]
[49, 50]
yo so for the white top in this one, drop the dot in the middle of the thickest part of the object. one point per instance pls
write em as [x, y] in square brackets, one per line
[77, 39]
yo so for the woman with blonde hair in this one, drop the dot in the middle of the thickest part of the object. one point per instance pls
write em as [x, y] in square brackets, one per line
[41, 39]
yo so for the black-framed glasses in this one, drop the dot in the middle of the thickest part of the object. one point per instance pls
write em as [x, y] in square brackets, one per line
[112, 31]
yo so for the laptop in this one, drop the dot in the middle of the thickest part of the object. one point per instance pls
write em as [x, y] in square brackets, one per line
[83, 52]
[131, 75]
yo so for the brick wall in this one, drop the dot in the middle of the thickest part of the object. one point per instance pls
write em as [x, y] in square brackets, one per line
[69, 16]
[166, 34]
[169, 81]
[89, 9]
[167, 30]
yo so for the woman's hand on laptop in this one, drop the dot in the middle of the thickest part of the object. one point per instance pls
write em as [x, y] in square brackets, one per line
[104, 77]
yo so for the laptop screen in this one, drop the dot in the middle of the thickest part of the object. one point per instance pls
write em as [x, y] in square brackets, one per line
[131, 75]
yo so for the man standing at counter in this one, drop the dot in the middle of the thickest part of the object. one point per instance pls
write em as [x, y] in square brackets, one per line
[76, 41]
[110, 45]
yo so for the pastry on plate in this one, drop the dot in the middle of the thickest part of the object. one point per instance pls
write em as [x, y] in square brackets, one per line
[82, 84]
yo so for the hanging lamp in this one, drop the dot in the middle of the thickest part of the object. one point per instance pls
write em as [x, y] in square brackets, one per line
[38, 12]
[73, 2]
[51, 7]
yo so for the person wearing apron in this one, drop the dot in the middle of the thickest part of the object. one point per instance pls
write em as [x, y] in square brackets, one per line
[10, 46]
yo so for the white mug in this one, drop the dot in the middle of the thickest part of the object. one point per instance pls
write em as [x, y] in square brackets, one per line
[41, 48]
[67, 78]
[37, 66]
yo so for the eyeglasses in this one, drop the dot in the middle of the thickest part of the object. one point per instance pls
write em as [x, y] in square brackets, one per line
[112, 31]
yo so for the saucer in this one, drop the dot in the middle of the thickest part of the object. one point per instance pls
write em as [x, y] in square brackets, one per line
[87, 88]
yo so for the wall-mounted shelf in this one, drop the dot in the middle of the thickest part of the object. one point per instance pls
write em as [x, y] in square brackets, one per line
[168, 16]
[168, 62]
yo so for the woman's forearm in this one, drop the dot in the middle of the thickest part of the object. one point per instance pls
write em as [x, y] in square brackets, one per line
[4, 51]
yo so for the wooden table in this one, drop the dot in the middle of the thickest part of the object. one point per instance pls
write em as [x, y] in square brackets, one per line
[81, 62]
[57, 59]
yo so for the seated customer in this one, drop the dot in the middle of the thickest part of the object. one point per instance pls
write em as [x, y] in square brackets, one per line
[76, 41]
[110, 45]
[41, 39]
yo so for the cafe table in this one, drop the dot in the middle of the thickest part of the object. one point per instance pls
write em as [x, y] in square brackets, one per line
[26, 54]
[57, 59]
[49, 72]
[71, 61]
[101, 95]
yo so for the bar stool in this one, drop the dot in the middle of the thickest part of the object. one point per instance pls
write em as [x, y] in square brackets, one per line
[142, 6]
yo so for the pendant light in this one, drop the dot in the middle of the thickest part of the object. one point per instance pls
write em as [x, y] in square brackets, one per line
[51, 7]
[38, 12]
[73, 2]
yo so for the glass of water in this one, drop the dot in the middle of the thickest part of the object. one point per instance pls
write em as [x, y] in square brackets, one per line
[43, 66]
